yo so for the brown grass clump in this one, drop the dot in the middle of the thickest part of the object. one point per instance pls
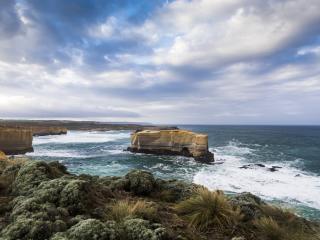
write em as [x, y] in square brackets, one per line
[208, 209]
[278, 214]
[269, 228]
[124, 209]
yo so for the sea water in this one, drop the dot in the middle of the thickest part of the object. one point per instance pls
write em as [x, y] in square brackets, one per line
[296, 149]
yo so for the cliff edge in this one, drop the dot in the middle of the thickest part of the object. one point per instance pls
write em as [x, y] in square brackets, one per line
[172, 142]
[41, 200]
[15, 140]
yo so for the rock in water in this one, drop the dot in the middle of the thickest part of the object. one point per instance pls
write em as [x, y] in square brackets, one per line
[172, 142]
[15, 140]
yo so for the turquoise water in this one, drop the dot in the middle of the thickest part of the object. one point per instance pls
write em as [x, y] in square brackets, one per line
[295, 149]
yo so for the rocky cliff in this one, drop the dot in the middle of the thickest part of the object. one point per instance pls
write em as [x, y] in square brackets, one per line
[43, 131]
[54, 127]
[172, 142]
[15, 140]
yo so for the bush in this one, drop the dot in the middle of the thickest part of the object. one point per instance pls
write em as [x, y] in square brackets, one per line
[139, 229]
[125, 209]
[89, 229]
[140, 182]
[269, 228]
[285, 226]
[208, 209]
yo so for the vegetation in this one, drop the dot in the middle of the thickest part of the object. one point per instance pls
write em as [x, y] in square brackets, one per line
[269, 228]
[208, 209]
[40, 200]
[124, 209]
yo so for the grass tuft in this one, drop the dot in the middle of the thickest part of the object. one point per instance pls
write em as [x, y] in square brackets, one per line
[208, 209]
[124, 209]
[269, 228]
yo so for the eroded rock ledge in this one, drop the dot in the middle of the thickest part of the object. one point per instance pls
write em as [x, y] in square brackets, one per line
[15, 140]
[42, 200]
[172, 142]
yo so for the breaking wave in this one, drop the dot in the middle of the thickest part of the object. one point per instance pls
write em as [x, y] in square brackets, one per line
[288, 184]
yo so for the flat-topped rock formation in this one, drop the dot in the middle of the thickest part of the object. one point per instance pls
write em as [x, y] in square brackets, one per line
[172, 142]
[15, 140]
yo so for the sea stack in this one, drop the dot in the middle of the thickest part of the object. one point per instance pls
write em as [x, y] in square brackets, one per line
[15, 140]
[172, 142]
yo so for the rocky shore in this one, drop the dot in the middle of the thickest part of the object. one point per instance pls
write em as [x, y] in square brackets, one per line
[40, 200]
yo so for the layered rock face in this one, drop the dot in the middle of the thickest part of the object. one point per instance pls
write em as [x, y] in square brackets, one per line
[172, 142]
[15, 140]
[44, 131]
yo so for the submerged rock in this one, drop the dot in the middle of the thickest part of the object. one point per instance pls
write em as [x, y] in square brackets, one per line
[172, 142]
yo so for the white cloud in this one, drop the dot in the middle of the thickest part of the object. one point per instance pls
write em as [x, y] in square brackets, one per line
[208, 61]
[211, 33]
[309, 50]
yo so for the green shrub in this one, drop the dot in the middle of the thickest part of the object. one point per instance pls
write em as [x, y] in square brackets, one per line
[208, 209]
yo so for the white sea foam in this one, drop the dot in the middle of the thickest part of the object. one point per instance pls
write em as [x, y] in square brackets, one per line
[288, 184]
[55, 153]
[83, 137]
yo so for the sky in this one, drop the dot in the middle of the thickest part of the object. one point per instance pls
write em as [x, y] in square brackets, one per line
[178, 61]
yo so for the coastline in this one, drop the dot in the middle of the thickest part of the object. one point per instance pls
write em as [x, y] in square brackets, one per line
[44, 201]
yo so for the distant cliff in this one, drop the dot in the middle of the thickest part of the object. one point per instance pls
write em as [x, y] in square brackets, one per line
[55, 127]
[15, 140]
[43, 131]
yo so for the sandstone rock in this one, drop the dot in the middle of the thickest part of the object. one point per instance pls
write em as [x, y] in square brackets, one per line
[172, 142]
[15, 140]
[2, 156]
[44, 131]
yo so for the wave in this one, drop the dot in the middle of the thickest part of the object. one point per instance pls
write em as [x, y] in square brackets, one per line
[289, 184]
[82, 137]
[56, 153]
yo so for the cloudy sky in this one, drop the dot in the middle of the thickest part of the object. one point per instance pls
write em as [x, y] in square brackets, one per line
[183, 61]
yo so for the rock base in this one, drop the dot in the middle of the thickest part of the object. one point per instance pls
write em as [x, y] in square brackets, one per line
[18, 151]
[207, 158]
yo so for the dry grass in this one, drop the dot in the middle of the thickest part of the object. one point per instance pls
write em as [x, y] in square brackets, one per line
[278, 214]
[269, 229]
[124, 209]
[208, 209]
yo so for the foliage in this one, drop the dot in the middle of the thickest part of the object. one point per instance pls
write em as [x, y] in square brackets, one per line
[208, 209]
[126, 209]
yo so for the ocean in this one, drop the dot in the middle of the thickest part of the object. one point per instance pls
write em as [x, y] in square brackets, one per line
[295, 149]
